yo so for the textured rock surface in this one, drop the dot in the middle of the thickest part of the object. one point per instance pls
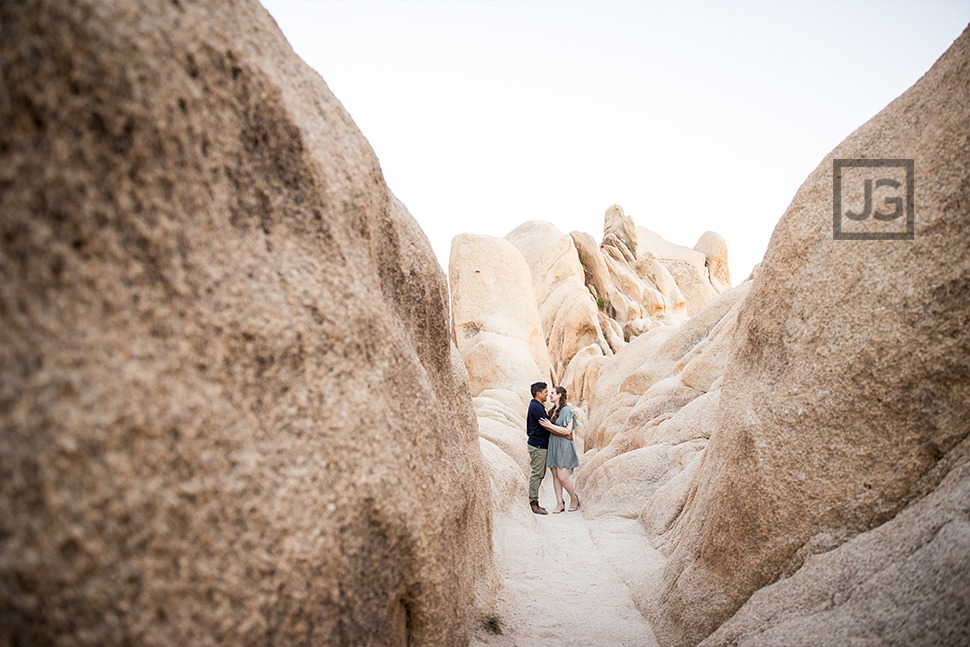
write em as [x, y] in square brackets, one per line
[693, 283]
[653, 243]
[590, 299]
[621, 231]
[567, 310]
[688, 267]
[655, 429]
[623, 485]
[625, 380]
[904, 583]
[582, 373]
[595, 273]
[845, 400]
[494, 318]
[642, 279]
[509, 436]
[508, 485]
[230, 413]
[714, 248]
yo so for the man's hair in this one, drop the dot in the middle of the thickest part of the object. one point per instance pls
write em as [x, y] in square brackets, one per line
[538, 386]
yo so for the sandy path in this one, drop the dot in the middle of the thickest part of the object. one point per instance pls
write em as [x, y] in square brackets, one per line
[562, 588]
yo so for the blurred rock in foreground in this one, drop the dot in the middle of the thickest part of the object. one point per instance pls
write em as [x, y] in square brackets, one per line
[231, 413]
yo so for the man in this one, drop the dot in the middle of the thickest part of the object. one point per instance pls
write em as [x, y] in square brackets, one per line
[538, 427]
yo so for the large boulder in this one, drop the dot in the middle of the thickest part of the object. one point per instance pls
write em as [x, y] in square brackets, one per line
[494, 318]
[508, 436]
[567, 310]
[620, 232]
[623, 485]
[714, 248]
[688, 267]
[652, 270]
[629, 289]
[655, 244]
[903, 583]
[613, 395]
[596, 274]
[582, 373]
[694, 284]
[664, 278]
[639, 280]
[230, 409]
[651, 430]
[845, 400]
[509, 492]
[700, 345]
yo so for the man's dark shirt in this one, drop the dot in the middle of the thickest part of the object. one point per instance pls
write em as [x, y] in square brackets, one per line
[538, 436]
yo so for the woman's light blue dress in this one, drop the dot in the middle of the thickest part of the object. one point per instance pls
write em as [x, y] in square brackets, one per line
[562, 452]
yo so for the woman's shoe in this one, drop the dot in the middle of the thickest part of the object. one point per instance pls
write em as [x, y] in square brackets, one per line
[574, 505]
[560, 507]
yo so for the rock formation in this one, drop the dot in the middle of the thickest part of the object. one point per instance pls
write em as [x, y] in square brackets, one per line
[714, 248]
[652, 408]
[689, 268]
[903, 583]
[591, 300]
[234, 411]
[539, 305]
[567, 310]
[231, 411]
[494, 319]
[799, 448]
[846, 396]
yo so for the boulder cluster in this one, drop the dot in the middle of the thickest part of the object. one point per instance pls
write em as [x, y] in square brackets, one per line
[539, 305]
[241, 404]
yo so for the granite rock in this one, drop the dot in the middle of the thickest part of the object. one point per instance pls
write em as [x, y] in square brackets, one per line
[843, 409]
[494, 317]
[231, 412]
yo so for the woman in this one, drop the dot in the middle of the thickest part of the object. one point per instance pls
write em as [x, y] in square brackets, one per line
[561, 455]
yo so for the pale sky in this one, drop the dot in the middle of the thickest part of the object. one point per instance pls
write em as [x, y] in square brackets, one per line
[692, 116]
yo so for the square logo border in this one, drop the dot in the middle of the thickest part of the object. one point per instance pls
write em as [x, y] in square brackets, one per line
[838, 165]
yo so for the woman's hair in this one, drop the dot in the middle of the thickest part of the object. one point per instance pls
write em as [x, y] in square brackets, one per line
[562, 402]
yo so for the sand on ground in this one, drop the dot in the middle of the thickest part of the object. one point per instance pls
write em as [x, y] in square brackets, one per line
[564, 586]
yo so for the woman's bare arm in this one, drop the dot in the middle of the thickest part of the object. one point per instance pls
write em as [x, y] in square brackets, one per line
[559, 431]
